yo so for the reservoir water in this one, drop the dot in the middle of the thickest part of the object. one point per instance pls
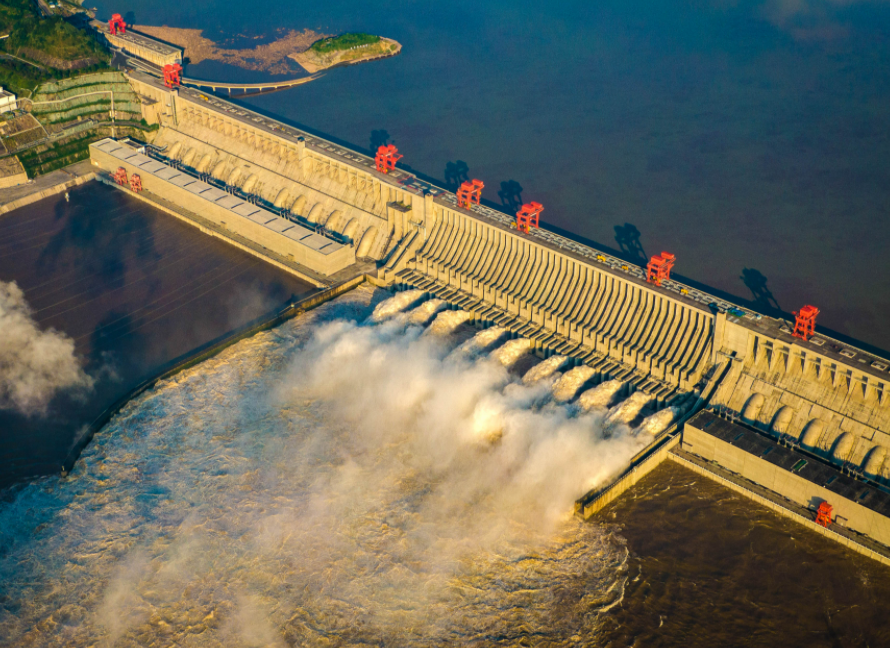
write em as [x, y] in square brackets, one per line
[748, 137]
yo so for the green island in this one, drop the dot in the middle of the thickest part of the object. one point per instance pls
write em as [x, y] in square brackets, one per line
[343, 42]
[66, 94]
[345, 49]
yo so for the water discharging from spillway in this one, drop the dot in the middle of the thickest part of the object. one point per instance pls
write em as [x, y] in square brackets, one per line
[327, 482]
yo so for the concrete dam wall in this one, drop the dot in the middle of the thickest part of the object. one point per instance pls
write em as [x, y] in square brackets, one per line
[672, 342]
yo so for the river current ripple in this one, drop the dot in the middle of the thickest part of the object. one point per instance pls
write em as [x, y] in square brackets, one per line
[331, 482]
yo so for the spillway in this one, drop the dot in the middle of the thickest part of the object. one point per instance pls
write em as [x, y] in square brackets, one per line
[638, 333]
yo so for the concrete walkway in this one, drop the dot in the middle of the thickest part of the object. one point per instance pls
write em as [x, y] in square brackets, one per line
[44, 186]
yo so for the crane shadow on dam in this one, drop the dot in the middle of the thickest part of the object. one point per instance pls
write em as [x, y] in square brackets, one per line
[630, 252]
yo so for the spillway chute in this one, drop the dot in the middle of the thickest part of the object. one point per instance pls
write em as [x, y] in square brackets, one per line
[511, 351]
[447, 322]
[656, 423]
[422, 315]
[571, 383]
[545, 369]
[601, 396]
[629, 408]
[396, 304]
[483, 340]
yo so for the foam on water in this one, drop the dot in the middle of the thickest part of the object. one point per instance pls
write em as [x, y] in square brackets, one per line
[570, 383]
[600, 396]
[395, 304]
[326, 482]
[544, 369]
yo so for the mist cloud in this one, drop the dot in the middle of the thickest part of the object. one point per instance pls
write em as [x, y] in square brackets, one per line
[34, 364]
[329, 482]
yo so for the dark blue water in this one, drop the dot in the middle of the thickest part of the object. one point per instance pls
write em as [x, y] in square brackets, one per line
[749, 138]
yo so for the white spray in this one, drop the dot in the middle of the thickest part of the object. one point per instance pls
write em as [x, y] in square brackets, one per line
[395, 304]
[600, 396]
[568, 386]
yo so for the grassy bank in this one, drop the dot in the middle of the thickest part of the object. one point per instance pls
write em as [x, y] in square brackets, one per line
[343, 42]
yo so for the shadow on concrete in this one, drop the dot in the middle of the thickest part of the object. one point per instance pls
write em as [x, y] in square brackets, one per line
[741, 301]
[628, 238]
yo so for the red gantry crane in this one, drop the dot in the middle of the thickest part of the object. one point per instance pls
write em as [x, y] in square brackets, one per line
[470, 193]
[117, 25]
[136, 183]
[120, 176]
[172, 75]
[805, 324]
[823, 514]
[660, 267]
[529, 216]
[386, 158]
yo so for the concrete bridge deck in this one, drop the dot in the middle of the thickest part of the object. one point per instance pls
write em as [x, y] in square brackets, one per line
[245, 87]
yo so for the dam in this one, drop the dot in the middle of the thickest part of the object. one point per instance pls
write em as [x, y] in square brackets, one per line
[329, 215]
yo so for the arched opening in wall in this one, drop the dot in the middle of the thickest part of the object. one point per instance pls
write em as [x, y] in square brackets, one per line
[350, 229]
[250, 183]
[842, 447]
[315, 213]
[282, 198]
[299, 205]
[782, 420]
[874, 462]
[188, 157]
[204, 164]
[367, 242]
[220, 171]
[752, 408]
[334, 221]
[812, 434]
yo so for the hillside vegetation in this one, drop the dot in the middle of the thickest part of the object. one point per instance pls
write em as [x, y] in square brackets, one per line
[39, 49]
[345, 49]
[343, 42]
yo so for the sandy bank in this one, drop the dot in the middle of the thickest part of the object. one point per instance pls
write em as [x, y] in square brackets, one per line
[313, 62]
[271, 57]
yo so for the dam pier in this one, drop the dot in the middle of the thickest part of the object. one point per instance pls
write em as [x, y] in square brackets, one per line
[330, 214]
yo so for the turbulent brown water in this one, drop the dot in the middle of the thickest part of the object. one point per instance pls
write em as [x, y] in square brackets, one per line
[332, 482]
[353, 479]
[709, 567]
